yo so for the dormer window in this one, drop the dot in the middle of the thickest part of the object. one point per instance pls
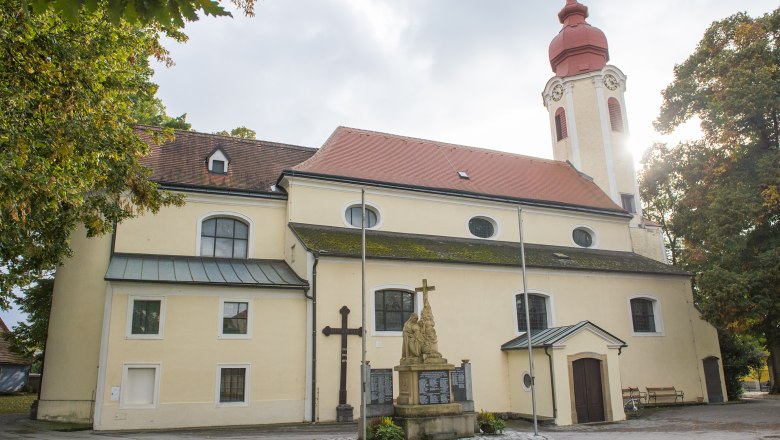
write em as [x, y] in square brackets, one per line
[218, 161]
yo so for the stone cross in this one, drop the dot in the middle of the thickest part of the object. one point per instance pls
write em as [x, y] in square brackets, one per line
[343, 331]
[425, 289]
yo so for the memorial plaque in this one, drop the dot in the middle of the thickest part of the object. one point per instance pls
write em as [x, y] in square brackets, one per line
[434, 387]
[458, 380]
[381, 386]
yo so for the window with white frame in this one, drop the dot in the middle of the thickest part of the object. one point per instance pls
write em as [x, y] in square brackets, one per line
[392, 308]
[224, 237]
[140, 386]
[537, 312]
[233, 385]
[354, 216]
[645, 316]
[145, 317]
[234, 319]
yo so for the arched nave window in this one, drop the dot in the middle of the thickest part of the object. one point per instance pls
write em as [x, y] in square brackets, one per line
[224, 237]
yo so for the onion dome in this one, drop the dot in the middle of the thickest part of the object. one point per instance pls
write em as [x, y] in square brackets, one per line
[579, 47]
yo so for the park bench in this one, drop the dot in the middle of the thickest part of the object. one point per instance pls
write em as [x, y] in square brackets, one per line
[656, 392]
[634, 393]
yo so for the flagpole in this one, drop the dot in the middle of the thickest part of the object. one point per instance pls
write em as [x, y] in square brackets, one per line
[363, 305]
[527, 320]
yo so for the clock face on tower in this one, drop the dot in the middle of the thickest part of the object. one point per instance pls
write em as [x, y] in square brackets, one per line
[557, 92]
[610, 81]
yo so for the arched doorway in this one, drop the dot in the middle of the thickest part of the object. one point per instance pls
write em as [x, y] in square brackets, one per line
[588, 391]
[712, 378]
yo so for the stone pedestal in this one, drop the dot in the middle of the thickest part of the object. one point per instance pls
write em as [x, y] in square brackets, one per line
[344, 413]
[425, 407]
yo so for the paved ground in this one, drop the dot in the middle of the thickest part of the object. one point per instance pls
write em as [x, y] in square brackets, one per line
[757, 418]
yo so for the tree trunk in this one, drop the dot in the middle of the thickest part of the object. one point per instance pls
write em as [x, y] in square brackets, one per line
[773, 362]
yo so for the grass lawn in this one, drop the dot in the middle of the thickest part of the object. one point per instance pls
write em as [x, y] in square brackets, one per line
[16, 403]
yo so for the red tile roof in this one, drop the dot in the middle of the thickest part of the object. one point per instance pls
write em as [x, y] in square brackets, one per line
[366, 155]
[254, 165]
[6, 356]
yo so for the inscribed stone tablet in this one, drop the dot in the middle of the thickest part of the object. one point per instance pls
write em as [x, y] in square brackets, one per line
[434, 387]
[458, 377]
[381, 386]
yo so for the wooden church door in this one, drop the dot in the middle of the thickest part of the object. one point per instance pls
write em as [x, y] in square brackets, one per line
[712, 378]
[588, 397]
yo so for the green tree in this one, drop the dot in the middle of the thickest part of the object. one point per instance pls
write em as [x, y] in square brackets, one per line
[29, 338]
[740, 354]
[68, 153]
[239, 132]
[168, 14]
[720, 196]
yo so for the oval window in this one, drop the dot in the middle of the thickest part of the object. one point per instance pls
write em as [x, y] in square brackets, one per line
[354, 216]
[527, 381]
[582, 237]
[481, 227]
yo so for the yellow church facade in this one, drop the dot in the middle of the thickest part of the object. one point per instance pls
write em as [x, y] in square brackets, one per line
[213, 313]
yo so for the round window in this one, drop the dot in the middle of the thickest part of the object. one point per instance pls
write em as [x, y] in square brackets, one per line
[481, 227]
[583, 237]
[527, 381]
[354, 216]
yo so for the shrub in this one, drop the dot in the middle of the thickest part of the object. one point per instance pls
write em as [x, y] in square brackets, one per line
[384, 429]
[489, 423]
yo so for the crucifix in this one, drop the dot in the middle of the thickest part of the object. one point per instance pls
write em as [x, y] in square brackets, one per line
[425, 289]
[343, 331]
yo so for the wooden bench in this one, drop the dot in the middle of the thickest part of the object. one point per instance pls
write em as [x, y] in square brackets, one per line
[656, 392]
[634, 393]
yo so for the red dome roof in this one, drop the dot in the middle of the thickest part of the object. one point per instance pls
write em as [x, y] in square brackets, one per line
[579, 47]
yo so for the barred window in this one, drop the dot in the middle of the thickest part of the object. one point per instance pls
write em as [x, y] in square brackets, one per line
[232, 385]
[642, 315]
[537, 312]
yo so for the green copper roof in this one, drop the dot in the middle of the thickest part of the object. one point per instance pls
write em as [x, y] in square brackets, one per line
[345, 242]
[203, 270]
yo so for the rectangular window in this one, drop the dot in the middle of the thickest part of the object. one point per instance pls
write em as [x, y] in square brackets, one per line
[537, 312]
[642, 315]
[218, 166]
[140, 386]
[391, 309]
[233, 384]
[145, 317]
[235, 318]
[628, 202]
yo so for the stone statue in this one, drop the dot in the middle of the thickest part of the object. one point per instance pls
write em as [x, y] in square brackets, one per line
[413, 340]
[420, 344]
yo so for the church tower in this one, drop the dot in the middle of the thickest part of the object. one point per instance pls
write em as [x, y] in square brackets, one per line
[585, 101]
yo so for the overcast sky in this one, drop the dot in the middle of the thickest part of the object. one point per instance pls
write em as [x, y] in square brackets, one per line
[469, 72]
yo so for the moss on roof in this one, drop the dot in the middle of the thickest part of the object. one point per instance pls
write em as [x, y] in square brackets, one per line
[345, 242]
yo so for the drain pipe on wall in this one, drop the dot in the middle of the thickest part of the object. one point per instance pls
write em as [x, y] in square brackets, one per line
[552, 382]
[313, 299]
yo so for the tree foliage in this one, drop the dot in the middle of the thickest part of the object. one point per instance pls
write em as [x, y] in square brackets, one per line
[70, 92]
[239, 132]
[740, 355]
[168, 14]
[29, 338]
[719, 199]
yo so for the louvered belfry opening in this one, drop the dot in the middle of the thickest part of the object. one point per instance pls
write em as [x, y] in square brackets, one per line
[561, 131]
[615, 115]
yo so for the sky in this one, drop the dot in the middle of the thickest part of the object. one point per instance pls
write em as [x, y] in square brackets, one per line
[468, 72]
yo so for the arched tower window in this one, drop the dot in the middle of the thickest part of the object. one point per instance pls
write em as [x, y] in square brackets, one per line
[560, 124]
[615, 115]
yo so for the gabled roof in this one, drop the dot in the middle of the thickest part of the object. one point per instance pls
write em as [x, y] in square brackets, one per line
[558, 335]
[254, 165]
[345, 242]
[367, 156]
[178, 269]
[6, 355]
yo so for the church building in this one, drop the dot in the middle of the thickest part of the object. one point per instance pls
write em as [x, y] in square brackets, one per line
[229, 310]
